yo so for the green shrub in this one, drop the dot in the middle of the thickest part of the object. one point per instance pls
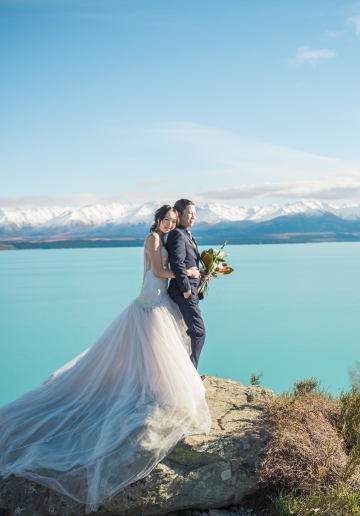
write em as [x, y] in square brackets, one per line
[339, 501]
[349, 428]
[354, 373]
[349, 424]
[306, 386]
[284, 504]
[255, 378]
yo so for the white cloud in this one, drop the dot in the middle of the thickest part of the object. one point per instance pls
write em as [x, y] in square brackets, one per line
[151, 184]
[333, 34]
[311, 56]
[198, 159]
[328, 189]
[336, 187]
[235, 154]
[355, 20]
[81, 199]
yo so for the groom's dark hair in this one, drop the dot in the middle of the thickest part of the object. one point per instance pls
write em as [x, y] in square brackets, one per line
[181, 204]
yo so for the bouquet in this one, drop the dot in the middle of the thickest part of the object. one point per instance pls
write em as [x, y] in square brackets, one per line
[213, 263]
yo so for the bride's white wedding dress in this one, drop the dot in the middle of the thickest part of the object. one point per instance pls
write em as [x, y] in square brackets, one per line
[108, 417]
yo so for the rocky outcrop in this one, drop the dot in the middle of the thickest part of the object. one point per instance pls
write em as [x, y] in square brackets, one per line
[202, 472]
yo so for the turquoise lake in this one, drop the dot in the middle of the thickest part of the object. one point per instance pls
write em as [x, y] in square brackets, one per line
[289, 311]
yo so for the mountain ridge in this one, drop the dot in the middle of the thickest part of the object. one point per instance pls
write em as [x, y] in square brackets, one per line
[133, 220]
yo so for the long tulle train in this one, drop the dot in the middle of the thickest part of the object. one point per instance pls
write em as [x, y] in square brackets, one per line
[109, 417]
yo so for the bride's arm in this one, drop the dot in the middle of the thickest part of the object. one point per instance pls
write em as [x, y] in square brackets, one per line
[153, 245]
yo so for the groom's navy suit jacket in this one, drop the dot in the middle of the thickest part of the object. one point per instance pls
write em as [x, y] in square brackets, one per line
[183, 254]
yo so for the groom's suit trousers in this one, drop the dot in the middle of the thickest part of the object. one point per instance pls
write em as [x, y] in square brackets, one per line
[192, 316]
[183, 254]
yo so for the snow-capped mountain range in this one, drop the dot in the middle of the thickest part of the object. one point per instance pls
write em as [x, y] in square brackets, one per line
[118, 220]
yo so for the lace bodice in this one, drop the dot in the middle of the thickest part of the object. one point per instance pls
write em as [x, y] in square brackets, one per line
[153, 289]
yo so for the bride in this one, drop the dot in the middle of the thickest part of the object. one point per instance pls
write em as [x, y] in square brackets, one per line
[108, 417]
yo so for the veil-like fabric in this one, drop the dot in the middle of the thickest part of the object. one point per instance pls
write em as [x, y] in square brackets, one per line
[108, 417]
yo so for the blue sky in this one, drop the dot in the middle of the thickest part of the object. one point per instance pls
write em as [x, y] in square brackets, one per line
[236, 101]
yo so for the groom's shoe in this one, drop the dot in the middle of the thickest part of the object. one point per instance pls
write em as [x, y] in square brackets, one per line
[203, 377]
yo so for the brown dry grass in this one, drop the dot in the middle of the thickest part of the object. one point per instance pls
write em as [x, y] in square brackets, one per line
[312, 463]
[306, 447]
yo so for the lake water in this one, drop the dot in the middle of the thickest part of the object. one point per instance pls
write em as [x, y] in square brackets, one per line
[289, 311]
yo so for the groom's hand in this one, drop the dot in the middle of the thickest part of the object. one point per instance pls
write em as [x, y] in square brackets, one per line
[187, 294]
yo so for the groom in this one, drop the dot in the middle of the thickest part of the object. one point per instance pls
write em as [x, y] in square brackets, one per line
[183, 254]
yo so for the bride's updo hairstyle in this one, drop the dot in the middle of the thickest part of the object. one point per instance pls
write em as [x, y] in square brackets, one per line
[160, 214]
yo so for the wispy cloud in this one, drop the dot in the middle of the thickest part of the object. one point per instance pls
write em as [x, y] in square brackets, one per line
[333, 34]
[151, 184]
[355, 21]
[80, 199]
[311, 55]
[219, 152]
[328, 189]
[245, 168]
[198, 159]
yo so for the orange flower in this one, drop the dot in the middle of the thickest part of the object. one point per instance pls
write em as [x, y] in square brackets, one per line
[225, 270]
[213, 264]
[206, 258]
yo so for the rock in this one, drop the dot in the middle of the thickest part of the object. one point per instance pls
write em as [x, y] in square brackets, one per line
[218, 512]
[202, 472]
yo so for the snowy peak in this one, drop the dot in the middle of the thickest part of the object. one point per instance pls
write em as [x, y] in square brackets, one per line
[28, 217]
[214, 213]
[117, 219]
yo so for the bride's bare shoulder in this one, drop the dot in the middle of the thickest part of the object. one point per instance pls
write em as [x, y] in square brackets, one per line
[152, 240]
[153, 237]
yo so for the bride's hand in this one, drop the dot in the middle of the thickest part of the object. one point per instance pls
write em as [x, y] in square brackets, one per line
[193, 272]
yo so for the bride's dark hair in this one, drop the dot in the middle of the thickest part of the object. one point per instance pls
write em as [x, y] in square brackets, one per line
[160, 214]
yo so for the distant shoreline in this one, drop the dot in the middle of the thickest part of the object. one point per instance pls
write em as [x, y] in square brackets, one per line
[83, 243]
[86, 243]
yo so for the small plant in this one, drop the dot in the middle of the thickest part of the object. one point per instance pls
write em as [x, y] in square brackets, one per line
[306, 386]
[255, 378]
[339, 501]
[354, 373]
[349, 425]
[349, 428]
[284, 505]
